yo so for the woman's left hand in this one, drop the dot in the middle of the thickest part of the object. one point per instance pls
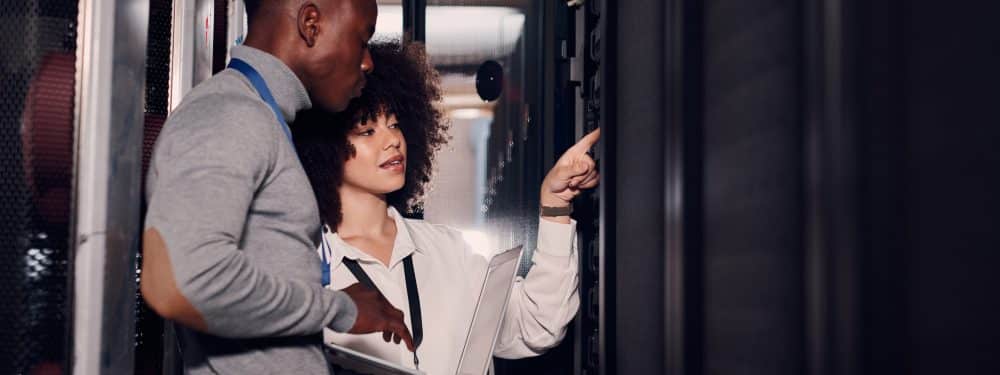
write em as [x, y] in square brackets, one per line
[574, 171]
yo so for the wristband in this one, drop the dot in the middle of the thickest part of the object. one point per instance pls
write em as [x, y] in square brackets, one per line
[556, 211]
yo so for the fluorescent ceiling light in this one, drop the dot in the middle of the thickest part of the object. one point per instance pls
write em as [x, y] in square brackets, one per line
[470, 113]
[459, 35]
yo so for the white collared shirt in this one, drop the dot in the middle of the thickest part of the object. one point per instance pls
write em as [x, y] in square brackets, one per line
[449, 274]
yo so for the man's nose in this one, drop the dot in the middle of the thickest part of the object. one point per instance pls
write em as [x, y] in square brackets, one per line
[367, 65]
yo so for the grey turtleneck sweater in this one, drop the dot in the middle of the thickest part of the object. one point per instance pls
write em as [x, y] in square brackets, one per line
[230, 199]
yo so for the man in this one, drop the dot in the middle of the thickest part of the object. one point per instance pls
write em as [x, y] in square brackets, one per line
[229, 244]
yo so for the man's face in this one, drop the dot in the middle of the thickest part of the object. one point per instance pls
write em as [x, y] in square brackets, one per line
[339, 60]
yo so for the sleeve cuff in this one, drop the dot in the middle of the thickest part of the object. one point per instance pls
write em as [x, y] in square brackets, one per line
[555, 238]
[346, 312]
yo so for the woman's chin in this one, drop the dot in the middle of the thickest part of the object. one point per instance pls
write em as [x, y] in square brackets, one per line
[389, 189]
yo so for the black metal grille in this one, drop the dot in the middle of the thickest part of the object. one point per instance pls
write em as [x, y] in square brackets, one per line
[589, 349]
[37, 71]
[149, 326]
[157, 75]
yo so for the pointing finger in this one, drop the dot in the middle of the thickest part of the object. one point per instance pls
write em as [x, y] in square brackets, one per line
[587, 141]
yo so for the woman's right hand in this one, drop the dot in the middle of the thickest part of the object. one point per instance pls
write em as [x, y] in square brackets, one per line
[574, 171]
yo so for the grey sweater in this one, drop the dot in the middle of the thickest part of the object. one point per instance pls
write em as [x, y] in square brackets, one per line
[230, 199]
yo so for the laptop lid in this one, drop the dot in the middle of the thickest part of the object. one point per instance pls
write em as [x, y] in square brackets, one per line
[477, 353]
[361, 363]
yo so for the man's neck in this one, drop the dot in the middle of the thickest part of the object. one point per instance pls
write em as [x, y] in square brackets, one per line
[275, 46]
[364, 214]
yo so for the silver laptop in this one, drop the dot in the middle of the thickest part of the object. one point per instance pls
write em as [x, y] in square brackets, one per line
[361, 363]
[477, 354]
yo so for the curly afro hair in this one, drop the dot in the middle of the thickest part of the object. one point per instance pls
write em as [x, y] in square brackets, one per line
[403, 84]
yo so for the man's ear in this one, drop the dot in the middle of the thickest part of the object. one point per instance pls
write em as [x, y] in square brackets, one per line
[307, 22]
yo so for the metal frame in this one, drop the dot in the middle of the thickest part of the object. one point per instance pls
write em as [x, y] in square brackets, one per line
[595, 69]
[830, 183]
[415, 20]
[110, 60]
[235, 25]
[183, 55]
[606, 244]
[682, 188]
[181, 50]
[577, 75]
[640, 177]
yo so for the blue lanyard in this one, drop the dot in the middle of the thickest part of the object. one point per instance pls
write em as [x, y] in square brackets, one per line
[324, 256]
[265, 93]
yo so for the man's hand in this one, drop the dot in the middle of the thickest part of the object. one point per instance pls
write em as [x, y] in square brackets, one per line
[376, 314]
[574, 171]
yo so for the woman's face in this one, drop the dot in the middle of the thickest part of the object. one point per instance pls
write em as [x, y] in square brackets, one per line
[378, 165]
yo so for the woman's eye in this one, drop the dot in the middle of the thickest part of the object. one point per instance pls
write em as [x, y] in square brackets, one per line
[367, 132]
[394, 126]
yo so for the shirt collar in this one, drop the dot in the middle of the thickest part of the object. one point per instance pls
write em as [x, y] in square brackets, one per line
[285, 86]
[402, 247]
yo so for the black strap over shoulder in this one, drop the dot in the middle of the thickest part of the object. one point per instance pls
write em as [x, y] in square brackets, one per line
[355, 268]
[412, 294]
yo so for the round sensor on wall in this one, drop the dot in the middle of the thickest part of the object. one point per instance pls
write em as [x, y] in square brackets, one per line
[489, 80]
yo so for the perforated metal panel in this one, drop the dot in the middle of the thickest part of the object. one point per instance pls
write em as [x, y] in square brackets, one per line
[149, 326]
[594, 260]
[157, 75]
[37, 71]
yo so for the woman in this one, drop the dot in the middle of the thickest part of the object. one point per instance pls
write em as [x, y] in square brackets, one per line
[371, 162]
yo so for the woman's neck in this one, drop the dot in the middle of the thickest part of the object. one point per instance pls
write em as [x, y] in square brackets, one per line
[364, 214]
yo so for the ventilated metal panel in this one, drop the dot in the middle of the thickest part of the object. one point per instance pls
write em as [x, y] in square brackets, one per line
[37, 73]
[157, 75]
[595, 261]
[149, 326]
